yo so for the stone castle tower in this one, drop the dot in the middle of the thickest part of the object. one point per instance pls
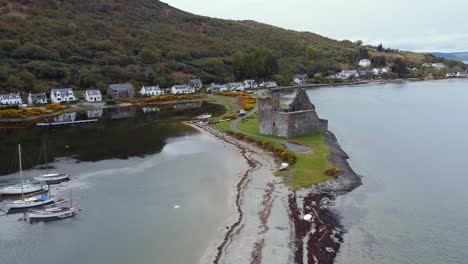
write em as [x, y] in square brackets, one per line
[297, 120]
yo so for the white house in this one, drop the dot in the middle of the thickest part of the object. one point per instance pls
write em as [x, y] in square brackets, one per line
[347, 74]
[10, 99]
[182, 89]
[270, 84]
[300, 78]
[439, 65]
[59, 95]
[250, 84]
[37, 99]
[93, 96]
[365, 63]
[235, 86]
[151, 91]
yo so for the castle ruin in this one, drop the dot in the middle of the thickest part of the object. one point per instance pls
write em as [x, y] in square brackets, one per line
[297, 120]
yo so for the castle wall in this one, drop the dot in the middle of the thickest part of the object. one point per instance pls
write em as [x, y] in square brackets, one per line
[300, 123]
[272, 121]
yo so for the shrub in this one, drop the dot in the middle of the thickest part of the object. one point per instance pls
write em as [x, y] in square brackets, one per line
[55, 107]
[332, 172]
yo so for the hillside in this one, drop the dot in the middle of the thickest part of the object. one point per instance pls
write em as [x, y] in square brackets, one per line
[85, 43]
[460, 56]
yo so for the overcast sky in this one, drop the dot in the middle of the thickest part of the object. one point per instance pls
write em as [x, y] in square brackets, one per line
[418, 25]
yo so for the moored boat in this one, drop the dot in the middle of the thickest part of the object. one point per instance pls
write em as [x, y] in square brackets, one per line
[50, 213]
[22, 188]
[30, 202]
[53, 177]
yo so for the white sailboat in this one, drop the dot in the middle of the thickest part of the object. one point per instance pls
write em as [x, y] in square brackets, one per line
[51, 177]
[30, 202]
[51, 213]
[23, 187]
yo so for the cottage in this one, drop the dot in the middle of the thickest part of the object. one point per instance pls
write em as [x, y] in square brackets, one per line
[182, 89]
[59, 95]
[10, 99]
[365, 63]
[270, 84]
[196, 84]
[300, 78]
[123, 90]
[93, 96]
[250, 84]
[215, 88]
[37, 99]
[347, 74]
[235, 86]
[439, 65]
[151, 91]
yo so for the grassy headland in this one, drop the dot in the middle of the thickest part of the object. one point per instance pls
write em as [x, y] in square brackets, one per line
[309, 168]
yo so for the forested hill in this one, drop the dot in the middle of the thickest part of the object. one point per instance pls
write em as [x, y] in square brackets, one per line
[90, 43]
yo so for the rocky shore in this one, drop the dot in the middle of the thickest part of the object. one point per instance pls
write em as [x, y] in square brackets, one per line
[269, 226]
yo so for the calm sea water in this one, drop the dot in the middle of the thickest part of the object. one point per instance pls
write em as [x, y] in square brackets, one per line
[129, 176]
[410, 142]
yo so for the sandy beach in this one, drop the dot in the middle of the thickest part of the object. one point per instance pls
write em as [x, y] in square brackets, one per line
[267, 224]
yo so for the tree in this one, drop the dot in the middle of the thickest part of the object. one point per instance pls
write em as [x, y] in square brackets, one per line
[359, 42]
[363, 53]
[399, 67]
[380, 48]
[379, 61]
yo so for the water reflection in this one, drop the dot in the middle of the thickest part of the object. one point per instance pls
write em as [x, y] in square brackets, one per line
[120, 133]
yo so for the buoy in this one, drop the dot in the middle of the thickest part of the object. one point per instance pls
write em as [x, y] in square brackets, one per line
[307, 217]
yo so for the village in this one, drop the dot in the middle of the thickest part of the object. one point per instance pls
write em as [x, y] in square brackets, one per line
[363, 71]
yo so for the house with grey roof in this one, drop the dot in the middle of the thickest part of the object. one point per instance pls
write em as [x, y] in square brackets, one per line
[10, 99]
[182, 89]
[300, 78]
[93, 96]
[122, 90]
[37, 99]
[152, 91]
[59, 95]
[195, 83]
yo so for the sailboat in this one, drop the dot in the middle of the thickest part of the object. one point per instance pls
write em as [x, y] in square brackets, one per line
[51, 178]
[23, 187]
[52, 212]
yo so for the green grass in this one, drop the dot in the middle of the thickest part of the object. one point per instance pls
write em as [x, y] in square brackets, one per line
[310, 167]
[223, 126]
[230, 103]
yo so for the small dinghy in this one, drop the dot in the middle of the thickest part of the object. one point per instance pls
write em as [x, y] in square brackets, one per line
[30, 202]
[50, 213]
[53, 177]
[283, 166]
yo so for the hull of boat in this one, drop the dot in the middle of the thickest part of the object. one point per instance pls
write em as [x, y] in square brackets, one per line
[22, 205]
[53, 179]
[17, 190]
[50, 215]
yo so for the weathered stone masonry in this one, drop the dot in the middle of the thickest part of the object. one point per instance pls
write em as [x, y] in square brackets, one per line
[297, 120]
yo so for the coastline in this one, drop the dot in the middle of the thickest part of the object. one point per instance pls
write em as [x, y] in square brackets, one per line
[267, 225]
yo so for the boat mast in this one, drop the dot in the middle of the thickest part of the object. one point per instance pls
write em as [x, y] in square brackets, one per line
[21, 171]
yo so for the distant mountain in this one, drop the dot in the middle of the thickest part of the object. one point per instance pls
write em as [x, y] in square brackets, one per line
[460, 56]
